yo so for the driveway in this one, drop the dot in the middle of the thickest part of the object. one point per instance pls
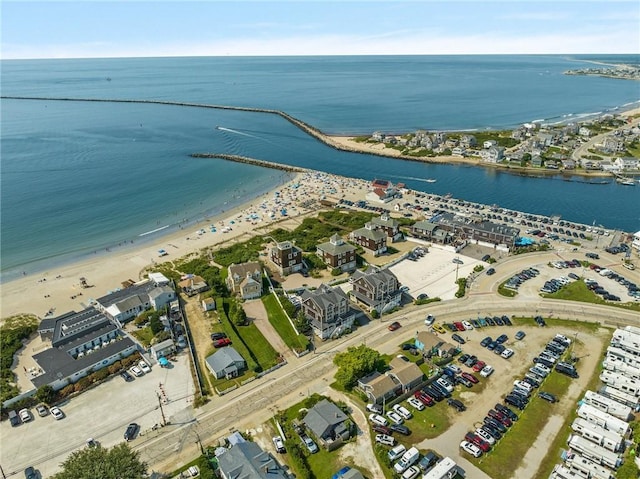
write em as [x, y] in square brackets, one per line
[257, 313]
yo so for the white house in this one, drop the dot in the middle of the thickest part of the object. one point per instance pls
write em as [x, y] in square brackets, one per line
[627, 163]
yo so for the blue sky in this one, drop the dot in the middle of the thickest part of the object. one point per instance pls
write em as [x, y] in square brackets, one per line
[72, 29]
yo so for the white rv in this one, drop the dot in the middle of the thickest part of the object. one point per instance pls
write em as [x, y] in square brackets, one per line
[617, 365]
[444, 469]
[561, 472]
[586, 468]
[595, 453]
[621, 396]
[600, 436]
[617, 380]
[623, 355]
[609, 405]
[625, 335]
[603, 419]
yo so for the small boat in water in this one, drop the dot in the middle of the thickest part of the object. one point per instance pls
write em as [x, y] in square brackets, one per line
[623, 180]
[430, 180]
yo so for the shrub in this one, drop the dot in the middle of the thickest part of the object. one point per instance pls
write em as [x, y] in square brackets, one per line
[462, 286]
[375, 314]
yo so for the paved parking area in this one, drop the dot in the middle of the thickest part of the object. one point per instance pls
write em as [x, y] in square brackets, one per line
[102, 413]
[435, 273]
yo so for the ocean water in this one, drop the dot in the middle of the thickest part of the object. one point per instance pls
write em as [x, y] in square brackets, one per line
[79, 177]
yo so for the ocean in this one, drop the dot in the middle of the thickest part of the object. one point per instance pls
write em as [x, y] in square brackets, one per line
[80, 177]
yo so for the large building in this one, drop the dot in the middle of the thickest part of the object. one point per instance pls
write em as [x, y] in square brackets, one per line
[245, 279]
[337, 254]
[376, 289]
[327, 310]
[477, 229]
[247, 460]
[81, 343]
[370, 238]
[287, 257]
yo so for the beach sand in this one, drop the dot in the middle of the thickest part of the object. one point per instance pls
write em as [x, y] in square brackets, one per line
[59, 291]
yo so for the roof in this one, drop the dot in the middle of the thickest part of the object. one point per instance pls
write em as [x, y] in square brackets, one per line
[223, 358]
[193, 282]
[370, 233]
[245, 268]
[424, 225]
[379, 384]
[352, 474]
[374, 276]
[58, 364]
[142, 287]
[166, 344]
[247, 461]
[336, 246]
[405, 372]
[385, 220]
[323, 417]
[72, 325]
[159, 278]
[429, 340]
[325, 295]
[486, 226]
[159, 291]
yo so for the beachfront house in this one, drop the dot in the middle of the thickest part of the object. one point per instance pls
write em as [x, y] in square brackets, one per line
[627, 163]
[370, 238]
[125, 304]
[376, 289]
[193, 284]
[81, 343]
[476, 229]
[245, 279]
[390, 226]
[336, 253]
[428, 231]
[286, 257]
[327, 310]
[493, 154]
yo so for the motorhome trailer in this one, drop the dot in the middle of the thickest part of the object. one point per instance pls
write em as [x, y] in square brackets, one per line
[588, 469]
[621, 396]
[604, 420]
[619, 381]
[609, 405]
[595, 453]
[600, 436]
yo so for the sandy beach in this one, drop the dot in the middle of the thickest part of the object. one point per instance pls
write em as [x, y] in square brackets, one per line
[59, 290]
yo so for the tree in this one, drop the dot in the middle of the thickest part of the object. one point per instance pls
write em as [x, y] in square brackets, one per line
[237, 314]
[45, 394]
[301, 322]
[355, 363]
[116, 463]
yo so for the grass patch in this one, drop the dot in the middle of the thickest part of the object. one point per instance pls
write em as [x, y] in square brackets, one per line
[506, 292]
[280, 322]
[578, 291]
[144, 335]
[584, 326]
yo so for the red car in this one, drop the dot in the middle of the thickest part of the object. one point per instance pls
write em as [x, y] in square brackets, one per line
[477, 367]
[393, 326]
[459, 326]
[423, 398]
[478, 441]
[470, 377]
[220, 343]
[498, 416]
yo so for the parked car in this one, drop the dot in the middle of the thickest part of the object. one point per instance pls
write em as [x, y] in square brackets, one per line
[429, 320]
[30, 473]
[385, 439]
[470, 377]
[396, 452]
[428, 461]
[381, 429]
[279, 444]
[56, 413]
[507, 353]
[310, 444]
[456, 404]
[402, 411]
[491, 271]
[220, 343]
[477, 367]
[415, 403]
[467, 325]
[131, 431]
[25, 415]
[126, 376]
[42, 410]
[486, 371]
[377, 419]
[547, 396]
[393, 326]
[411, 473]
[473, 438]
[136, 371]
[457, 338]
[14, 419]
[470, 449]
[144, 367]
[520, 335]
[375, 408]
[485, 342]
[401, 429]
[394, 417]
[215, 336]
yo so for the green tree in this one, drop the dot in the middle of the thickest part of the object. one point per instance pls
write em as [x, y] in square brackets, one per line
[237, 314]
[119, 462]
[355, 363]
[301, 322]
[45, 394]
[154, 323]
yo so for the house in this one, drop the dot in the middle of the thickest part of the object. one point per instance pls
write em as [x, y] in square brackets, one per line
[406, 374]
[477, 229]
[127, 303]
[327, 310]
[536, 161]
[431, 345]
[590, 164]
[378, 136]
[611, 144]
[429, 231]
[546, 138]
[193, 284]
[584, 131]
[245, 279]
[337, 254]
[162, 349]
[568, 164]
[370, 238]
[226, 363]
[459, 151]
[81, 343]
[209, 304]
[377, 289]
[390, 226]
[493, 154]
[378, 387]
[627, 163]
[636, 241]
[246, 460]
[468, 141]
[287, 257]
[328, 424]
[381, 191]
[489, 143]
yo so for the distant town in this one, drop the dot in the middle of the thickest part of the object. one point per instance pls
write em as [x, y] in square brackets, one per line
[625, 72]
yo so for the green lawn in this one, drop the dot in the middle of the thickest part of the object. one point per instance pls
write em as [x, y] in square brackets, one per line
[508, 293]
[144, 335]
[578, 291]
[281, 324]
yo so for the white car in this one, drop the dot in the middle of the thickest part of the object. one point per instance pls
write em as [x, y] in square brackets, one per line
[403, 411]
[396, 452]
[429, 320]
[379, 420]
[416, 403]
[144, 367]
[411, 473]
[486, 371]
[542, 367]
[445, 384]
[456, 369]
[470, 448]
[395, 417]
[25, 415]
[374, 408]
[522, 385]
[385, 439]
[507, 353]
[56, 413]
[135, 370]
[486, 436]
[467, 325]
[278, 444]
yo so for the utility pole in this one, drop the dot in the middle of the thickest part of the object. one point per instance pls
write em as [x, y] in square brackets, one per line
[164, 421]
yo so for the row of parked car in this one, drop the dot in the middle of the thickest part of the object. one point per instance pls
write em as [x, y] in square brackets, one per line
[24, 415]
[555, 284]
[494, 425]
[632, 288]
[497, 345]
[517, 279]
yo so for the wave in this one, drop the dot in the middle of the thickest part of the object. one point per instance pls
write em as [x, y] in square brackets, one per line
[222, 128]
[154, 231]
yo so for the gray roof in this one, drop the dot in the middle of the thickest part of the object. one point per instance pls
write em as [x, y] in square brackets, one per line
[247, 461]
[72, 325]
[375, 277]
[487, 226]
[243, 269]
[386, 221]
[325, 295]
[336, 246]
[142, 288]
[369, 233]
[57, 363]
[424, 225]
[323, 418]
[222, 359]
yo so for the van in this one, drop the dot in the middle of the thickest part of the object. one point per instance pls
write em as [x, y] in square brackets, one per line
[396, 452]
[409, 458]
[377, 419]
[385, 439]
[13, 418]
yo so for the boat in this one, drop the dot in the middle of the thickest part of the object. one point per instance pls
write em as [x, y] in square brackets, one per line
[430, 180]
[623, 180]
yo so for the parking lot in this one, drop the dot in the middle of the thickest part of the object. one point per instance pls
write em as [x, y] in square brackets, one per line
[435, 273]
[102, 413]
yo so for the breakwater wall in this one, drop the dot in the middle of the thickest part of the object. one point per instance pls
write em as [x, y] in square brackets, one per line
[251, 161]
